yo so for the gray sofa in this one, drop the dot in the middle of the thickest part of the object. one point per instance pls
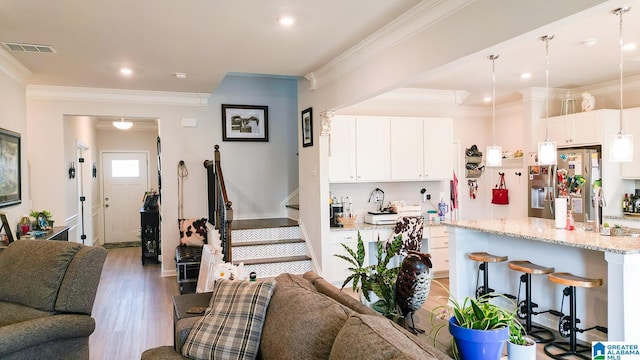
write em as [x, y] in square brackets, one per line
[309, 318]
[47, 289]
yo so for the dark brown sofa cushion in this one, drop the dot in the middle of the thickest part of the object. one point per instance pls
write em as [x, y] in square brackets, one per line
[301, 323]
[370, 337]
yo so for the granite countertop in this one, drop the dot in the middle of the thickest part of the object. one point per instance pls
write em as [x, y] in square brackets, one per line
[365, 226]
[543, 230]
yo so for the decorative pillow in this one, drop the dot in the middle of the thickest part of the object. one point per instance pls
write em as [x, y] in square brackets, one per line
[193, 232]
[232, 325]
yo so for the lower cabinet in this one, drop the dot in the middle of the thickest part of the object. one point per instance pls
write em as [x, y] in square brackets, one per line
[335, 269]
[439, 250]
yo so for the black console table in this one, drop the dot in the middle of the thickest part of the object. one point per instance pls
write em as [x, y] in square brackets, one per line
[150, 235]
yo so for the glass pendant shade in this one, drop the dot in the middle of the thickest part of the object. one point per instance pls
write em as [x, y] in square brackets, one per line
[494, 156]
[122, 125]
[621, 149]
[547, 153]
[494, 153]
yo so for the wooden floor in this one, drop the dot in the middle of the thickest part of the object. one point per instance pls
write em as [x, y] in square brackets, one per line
[133, 308]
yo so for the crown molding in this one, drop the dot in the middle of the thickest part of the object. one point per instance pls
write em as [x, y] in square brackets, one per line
[116, 95]
[12, 67]
[421, 16]
[611, 87]
[454, 97]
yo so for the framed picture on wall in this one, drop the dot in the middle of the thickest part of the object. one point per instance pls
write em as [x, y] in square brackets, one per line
[307, 127]
[10, 185]
[245, 123]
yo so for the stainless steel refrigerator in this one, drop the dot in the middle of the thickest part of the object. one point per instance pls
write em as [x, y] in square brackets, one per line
[573, 178]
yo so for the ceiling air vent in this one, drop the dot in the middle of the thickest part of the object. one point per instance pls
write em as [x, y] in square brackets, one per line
[30, 47]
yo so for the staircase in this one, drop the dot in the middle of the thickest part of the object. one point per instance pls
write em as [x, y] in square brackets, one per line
[269, 247]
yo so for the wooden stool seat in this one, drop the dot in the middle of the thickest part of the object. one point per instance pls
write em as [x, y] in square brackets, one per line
[486, 257]
[528, 267]
[569, 279]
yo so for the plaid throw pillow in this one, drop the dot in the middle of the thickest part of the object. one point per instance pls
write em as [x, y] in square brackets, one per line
[232, 325]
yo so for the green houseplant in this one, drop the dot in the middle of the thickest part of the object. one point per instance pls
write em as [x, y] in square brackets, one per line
[379, 279]
[486, 320]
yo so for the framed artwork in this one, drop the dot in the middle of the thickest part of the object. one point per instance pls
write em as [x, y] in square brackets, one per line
[10, 183]
[307, 127]
[7, 229]
[245, 123]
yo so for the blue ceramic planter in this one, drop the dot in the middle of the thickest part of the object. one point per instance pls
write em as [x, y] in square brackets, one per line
[478, 344]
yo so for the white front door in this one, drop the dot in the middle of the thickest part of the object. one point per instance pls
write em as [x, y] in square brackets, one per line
[125, 180]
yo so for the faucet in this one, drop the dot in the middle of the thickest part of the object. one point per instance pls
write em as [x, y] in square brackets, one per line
[598, 202]
[379, 197]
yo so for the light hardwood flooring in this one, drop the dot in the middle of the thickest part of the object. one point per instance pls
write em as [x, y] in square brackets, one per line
[133, 308]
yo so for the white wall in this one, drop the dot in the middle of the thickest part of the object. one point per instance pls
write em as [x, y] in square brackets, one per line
[13, 118]
[79, 131]
[259, 175]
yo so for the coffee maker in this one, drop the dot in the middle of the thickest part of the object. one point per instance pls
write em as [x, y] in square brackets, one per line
[336, 210]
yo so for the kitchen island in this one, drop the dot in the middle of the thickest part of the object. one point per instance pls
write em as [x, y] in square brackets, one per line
[615, 259]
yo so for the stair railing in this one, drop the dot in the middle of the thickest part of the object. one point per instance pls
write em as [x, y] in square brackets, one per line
[220, 210]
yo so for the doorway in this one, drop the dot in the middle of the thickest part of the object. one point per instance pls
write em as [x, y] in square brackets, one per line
[125, 179]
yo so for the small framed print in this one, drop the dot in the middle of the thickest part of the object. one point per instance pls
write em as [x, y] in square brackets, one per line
[245, 123]
[307, 127]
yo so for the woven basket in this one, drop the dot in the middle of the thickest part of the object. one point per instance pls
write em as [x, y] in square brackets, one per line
[348, 222]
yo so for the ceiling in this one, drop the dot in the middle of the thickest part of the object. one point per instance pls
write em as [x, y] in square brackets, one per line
[207, 39]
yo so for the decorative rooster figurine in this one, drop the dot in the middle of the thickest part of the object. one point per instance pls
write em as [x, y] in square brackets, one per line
[412, 286]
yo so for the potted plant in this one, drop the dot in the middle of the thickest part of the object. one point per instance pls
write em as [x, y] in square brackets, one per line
[478, 328]
[378, 280]
[519, 346]
[617, 230]
[606, 230]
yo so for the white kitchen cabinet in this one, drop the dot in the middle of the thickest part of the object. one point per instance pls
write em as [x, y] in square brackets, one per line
[335, 269]
[575, 130]
[439, 250]
[342, 161]
[372, 149]
[438, 152]
[631, 125]
[407, 153]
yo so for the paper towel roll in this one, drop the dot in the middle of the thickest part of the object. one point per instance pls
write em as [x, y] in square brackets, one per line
[561, 212]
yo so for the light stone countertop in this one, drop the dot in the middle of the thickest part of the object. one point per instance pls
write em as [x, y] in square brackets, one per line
[543, 230]
[365, 226]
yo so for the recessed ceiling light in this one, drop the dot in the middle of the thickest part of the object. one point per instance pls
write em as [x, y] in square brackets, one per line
[589, 42]
[629, 47]
[126, 71]
[486, 99]
[180, 75]
[286, 20]
[525, 75]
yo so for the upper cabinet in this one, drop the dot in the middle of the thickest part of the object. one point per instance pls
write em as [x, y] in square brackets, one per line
[342, 162]
[575, 130]
[390, 149]
[372, 149]
[631, 125]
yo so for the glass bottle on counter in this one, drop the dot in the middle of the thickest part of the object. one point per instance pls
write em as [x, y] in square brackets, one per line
[625, 203]
[570, 221]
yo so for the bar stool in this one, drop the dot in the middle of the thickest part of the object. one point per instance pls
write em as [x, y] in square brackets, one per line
[567, 326]
[526, 306]
[485, 258]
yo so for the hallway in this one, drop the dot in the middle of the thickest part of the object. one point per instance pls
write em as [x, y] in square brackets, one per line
[133, 307]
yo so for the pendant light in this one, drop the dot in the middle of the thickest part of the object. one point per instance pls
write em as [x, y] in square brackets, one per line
[122, 125]
[494, 153]
[621, 149]
[547, 151]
